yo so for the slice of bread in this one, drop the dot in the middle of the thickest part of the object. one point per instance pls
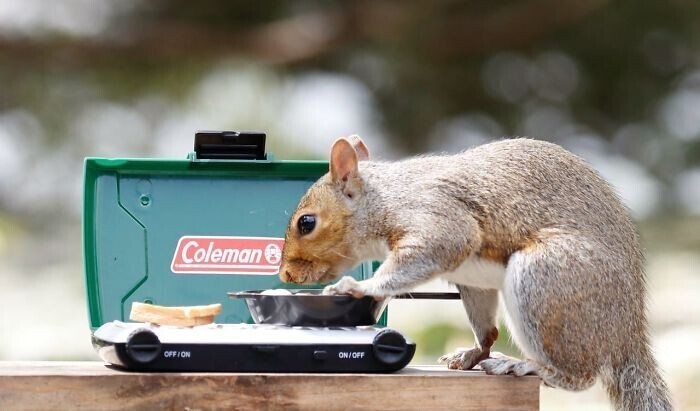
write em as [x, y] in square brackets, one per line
[177, 316]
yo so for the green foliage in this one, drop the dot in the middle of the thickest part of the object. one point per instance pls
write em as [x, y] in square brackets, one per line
[436, 339]
[431, 340]
[423, 63]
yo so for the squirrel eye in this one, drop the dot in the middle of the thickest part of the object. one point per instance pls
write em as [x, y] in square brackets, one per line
[306, 224]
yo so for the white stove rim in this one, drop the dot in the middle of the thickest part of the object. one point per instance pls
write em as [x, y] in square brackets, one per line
[243, 333]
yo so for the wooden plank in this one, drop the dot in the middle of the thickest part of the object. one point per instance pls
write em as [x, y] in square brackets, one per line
[92, 385]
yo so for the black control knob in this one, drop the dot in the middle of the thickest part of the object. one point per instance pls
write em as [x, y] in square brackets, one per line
[143, 346]
[389, 347]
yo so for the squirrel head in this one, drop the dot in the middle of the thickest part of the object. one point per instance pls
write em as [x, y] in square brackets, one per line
[317, 246]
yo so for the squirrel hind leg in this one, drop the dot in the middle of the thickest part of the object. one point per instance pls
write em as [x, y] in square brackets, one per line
[481, 306]
[503, 365]
[552, 318]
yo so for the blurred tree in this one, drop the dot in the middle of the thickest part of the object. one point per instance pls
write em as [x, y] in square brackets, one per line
[531, 67]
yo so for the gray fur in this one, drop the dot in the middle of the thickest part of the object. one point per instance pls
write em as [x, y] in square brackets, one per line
[574, 287]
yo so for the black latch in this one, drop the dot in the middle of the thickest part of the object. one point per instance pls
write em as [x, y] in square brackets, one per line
[230, 145]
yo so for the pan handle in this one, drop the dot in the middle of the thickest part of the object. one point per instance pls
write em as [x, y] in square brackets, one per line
[406, 296]
[429, 296]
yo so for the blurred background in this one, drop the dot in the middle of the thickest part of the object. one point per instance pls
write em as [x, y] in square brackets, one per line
[616, 82]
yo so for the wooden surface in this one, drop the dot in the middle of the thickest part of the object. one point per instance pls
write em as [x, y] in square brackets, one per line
[92, 385]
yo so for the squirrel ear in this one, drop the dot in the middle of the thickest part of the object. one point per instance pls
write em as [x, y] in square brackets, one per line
[343, 160]
[360, 147]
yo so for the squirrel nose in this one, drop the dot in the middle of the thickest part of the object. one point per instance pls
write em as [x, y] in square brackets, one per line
[285, 276]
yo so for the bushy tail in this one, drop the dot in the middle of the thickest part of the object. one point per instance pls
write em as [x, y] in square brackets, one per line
[637, 385]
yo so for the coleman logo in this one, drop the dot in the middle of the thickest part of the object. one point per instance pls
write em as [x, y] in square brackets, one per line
[227, 255]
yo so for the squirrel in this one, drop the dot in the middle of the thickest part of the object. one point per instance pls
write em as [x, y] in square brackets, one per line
[519, 218]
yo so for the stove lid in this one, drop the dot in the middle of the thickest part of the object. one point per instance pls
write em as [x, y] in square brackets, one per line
[180, 232]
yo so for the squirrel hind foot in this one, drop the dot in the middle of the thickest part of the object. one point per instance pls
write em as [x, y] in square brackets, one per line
[503, 365]
[463, 358]
[550, 377]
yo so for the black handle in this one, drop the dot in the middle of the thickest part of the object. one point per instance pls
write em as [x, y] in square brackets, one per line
[308, 293]
[230, 145]
[428, 296]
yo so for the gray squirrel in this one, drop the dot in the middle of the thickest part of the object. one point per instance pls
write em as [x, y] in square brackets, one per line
[520, 218]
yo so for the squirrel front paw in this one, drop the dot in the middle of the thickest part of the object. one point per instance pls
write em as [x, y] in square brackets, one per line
[346, 285]
[463, 358]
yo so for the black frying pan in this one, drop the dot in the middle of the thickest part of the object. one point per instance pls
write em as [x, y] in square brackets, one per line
[311, 308]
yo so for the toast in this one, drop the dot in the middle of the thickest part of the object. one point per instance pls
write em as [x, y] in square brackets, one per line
[177, 316]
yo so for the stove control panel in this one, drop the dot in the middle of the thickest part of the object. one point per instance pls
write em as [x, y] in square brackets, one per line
[251, 348]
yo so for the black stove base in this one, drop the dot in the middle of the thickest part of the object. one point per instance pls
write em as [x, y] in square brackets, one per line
[142, 350]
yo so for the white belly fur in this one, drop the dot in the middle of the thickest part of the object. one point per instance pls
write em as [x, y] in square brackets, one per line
[477, 272]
